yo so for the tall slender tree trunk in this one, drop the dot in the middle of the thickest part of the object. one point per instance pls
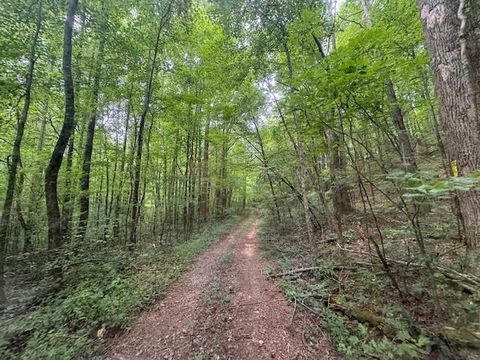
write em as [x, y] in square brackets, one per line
[140, 134]
[116, 223]
[267, 171]
[26, 226]
[88, 150]
[403, 136]
[342, 202]
[67, 204]
[36, 188]
[302, 173]
[452, 32]
[341, 199]
[366, 11]
[205, 185]
[55, 235]
[15, 156]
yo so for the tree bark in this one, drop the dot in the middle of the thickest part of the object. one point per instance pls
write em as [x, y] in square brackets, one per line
[15, 156]
[55, 234]
[452, 32]
[205, 186]
[302, 174]
[298, 145]
[403, 136]
[366, 11]
[88, 150]
[27, 229]
[67, 203]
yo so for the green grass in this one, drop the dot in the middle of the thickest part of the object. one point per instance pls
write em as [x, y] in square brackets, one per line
[105, 294]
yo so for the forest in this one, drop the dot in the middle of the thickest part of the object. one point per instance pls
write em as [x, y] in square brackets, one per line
[239, 179]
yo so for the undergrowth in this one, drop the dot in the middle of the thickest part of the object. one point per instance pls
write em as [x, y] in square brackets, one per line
[357, 306]
[100, 297]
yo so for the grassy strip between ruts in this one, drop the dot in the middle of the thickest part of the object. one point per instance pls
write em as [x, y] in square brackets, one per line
[101, 297]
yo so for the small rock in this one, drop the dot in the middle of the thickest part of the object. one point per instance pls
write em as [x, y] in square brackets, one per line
[260, 342]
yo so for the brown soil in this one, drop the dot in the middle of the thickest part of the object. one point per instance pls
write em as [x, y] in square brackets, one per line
[225, 308]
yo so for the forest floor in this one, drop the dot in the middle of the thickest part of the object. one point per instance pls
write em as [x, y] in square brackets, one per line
[224, 308]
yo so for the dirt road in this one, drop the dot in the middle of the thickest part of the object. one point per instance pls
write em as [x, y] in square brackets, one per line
[224, 308]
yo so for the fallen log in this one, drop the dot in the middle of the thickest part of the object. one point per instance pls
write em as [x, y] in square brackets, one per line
[458, 337]
[367, 317]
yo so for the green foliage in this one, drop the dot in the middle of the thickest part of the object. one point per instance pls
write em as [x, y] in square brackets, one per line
[397, 338]
[65, 326]
[356, 340]
[426, 186]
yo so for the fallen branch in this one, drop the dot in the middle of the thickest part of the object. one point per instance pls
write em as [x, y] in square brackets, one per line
[461, 337]
[298, 271]
[472, 279]
[446, 252]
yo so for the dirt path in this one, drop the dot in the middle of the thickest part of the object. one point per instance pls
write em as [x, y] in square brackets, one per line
[225, 308]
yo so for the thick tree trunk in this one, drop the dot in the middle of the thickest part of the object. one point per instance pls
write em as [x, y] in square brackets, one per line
[342, 203]
[452, 32]
[302, 174]
[55, 235]
[88, 150]
[15, 156]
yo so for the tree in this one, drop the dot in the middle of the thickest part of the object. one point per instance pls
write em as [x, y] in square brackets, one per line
[88, 150]
[55, 231]
[452, 33]
[15, 158]
[139, 143]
